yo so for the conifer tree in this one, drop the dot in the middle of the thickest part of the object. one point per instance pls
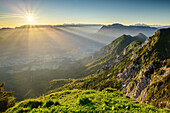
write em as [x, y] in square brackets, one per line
[6, 100]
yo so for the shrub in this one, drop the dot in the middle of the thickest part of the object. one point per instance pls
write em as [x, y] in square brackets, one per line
[49, 103]
[23, 110]
[160, 72]
[56, 103]
[149, 94]
[138, 67]
[33, 104]
[6, 100]
[156, 88]
[110, 90]
[152, 76]
[156, 70]
[85, 101]
[168, 63]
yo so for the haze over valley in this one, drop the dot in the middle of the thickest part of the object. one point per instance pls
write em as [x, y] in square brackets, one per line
[84, 56]
[48, 50]
[45, 48]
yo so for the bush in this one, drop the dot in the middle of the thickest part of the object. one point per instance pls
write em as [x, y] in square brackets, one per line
[57, 103]
[49, 103]
[110, 90]
[166, 62]
[33, 104]
[23, 110]
[84, 101]
[160, 72]
[6, 100]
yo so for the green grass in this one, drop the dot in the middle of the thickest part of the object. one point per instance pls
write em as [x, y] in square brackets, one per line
[83, 101]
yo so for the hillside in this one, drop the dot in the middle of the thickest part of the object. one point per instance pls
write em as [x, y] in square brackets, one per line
[101, 77]
[113, 50]
[141, 72]
[147, 76]
[84, 101]
[109, 54]
[103, 59]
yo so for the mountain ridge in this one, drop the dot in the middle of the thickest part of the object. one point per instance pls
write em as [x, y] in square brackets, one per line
[129, 30]
[136, 71]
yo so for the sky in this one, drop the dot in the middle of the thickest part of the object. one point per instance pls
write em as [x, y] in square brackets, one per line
[52, 12]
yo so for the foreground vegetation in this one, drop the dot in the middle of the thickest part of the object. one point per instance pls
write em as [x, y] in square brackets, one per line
[110, 100]
[6, 100]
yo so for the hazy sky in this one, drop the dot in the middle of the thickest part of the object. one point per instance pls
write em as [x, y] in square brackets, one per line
[15, 12]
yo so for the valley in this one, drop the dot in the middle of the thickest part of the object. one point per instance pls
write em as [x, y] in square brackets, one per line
[32, 55]
[37, 69]
[84, 56]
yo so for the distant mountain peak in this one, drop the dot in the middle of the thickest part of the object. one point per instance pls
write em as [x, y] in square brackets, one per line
[139, 24]
[117, 24]
[125, 35]
[116, 30]
[141, 35]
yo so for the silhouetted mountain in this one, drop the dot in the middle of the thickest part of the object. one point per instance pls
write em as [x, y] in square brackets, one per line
[117, 30]
[141, 25]
[107, 33]
[64, 25]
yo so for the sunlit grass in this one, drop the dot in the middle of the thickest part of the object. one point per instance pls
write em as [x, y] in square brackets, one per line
[108, 100]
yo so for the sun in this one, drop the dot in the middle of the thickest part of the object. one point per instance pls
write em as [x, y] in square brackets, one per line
[30, 19]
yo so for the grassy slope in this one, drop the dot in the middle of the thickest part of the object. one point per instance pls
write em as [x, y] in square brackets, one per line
[108, 100]
[94, 81]
[115, 48]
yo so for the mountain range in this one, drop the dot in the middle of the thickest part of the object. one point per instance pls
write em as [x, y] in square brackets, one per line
[107, 33]
[142, 69]
[130, 67]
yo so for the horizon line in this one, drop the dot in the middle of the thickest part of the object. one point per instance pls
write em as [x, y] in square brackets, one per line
[87, 24]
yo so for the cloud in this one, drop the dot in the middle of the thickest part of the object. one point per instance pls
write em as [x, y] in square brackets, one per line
[5, 15]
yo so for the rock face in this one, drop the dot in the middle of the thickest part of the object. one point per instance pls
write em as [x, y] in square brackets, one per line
[144, 88]
[147, 77]
[138, 86]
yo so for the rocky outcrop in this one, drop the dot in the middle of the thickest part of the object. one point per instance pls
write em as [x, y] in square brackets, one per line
[147, 78]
